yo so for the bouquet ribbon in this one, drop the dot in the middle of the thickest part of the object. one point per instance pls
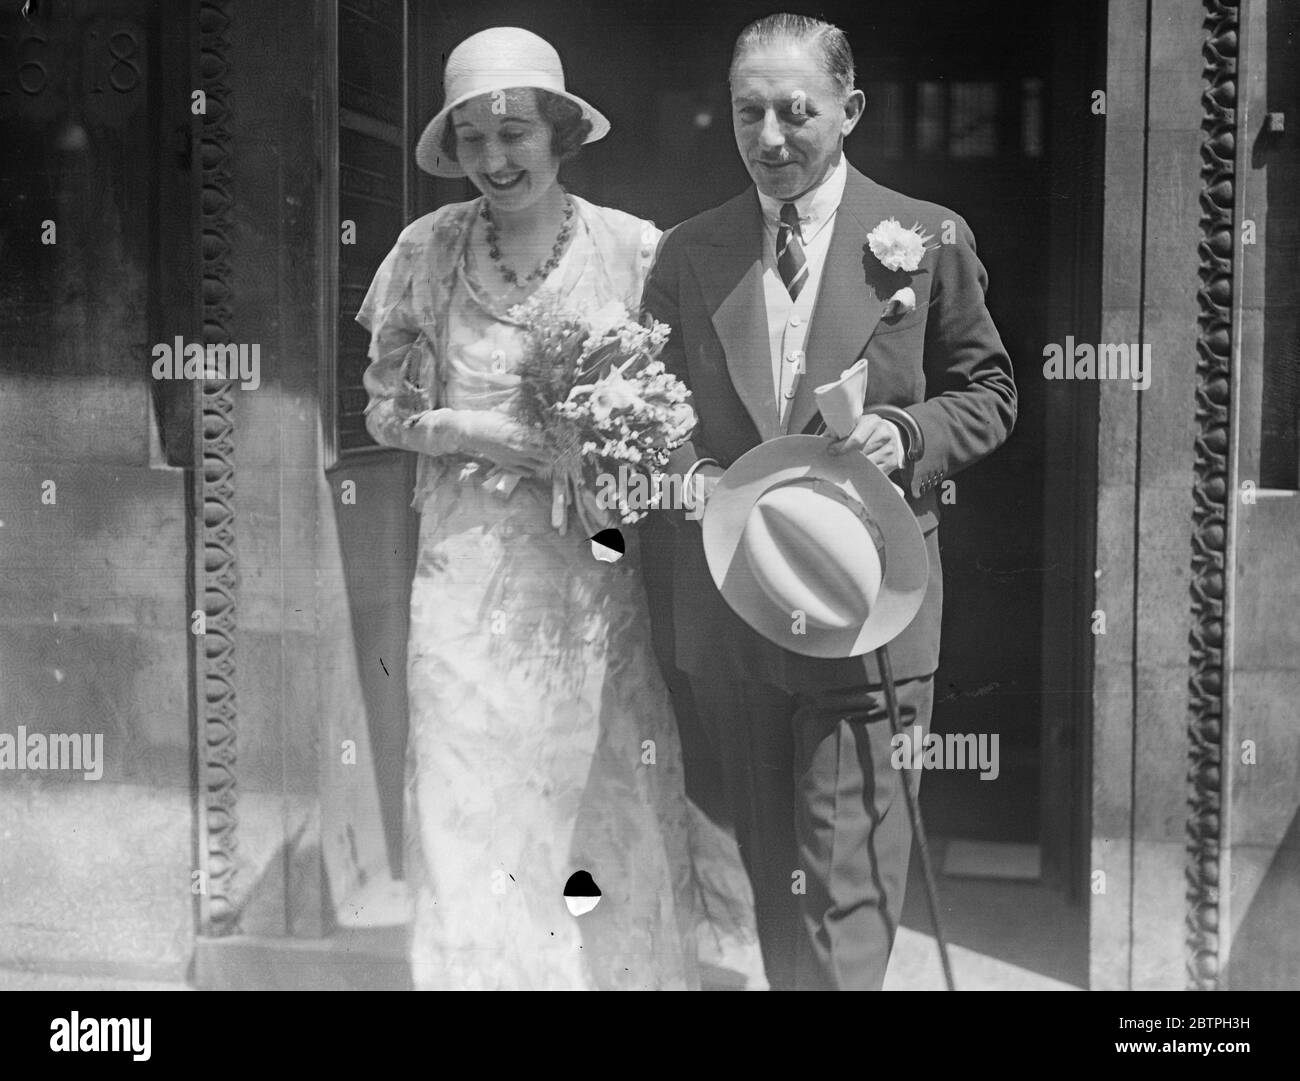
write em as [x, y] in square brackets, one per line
[568, 489]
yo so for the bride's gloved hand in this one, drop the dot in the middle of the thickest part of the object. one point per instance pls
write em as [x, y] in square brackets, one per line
[481, 433]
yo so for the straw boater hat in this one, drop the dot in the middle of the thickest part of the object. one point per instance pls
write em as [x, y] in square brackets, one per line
[502, 58]
[819, 553]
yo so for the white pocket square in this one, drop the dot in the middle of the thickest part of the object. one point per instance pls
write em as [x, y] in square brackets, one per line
[900, 303]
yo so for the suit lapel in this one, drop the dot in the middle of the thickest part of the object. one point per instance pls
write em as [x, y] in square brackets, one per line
[729, 267]
[851, 298]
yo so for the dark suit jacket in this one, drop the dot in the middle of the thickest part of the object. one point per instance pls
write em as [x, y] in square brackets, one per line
[944, 362]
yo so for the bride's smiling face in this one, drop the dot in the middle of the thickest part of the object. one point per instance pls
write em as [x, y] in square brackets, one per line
[506, 147]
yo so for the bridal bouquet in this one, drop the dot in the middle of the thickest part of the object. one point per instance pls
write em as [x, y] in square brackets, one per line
[594, 388]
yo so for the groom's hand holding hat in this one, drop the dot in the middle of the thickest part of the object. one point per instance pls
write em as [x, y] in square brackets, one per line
[876, 439]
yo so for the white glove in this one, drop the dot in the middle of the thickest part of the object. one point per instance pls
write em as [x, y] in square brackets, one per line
[480, 433]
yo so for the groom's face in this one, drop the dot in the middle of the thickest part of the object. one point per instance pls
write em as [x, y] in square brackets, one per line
[790, 118]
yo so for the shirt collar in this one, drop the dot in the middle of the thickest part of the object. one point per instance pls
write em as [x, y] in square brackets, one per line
[815, 206]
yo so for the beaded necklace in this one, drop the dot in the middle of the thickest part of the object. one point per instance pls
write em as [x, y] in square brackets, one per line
[538, 273]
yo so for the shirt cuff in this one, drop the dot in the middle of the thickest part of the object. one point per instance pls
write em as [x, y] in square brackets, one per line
[688, 482]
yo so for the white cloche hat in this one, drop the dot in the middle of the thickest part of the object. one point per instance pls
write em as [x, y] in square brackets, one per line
[502, 58]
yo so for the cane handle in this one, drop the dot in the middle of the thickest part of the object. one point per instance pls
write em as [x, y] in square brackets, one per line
[915, 440]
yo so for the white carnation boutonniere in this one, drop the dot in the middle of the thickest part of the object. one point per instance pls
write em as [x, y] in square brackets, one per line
[896, 247]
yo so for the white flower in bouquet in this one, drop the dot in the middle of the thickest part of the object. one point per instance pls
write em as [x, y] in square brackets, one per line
[610, 394]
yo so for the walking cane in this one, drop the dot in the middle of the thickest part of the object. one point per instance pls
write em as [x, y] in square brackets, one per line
[915, 449]
[914, 811]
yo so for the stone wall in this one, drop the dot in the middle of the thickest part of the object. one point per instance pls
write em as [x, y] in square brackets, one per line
[94, 874]
[209, 227]
[1145, 468]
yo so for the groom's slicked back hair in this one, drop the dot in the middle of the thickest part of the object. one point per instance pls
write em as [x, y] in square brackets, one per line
[824, 39]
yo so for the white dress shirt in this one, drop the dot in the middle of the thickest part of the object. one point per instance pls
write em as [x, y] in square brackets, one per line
[787, 319]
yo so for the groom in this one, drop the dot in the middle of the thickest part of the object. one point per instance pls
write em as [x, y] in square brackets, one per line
[768, 296]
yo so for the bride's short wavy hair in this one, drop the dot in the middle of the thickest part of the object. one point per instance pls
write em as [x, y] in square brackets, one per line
[569, 128]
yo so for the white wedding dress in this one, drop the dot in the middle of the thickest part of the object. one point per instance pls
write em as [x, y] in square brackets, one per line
[541, 740]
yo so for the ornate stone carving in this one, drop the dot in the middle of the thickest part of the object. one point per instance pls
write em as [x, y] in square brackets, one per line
[215, 488]
[1210, 494]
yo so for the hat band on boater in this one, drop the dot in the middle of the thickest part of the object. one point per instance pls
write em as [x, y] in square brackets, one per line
[843, 497]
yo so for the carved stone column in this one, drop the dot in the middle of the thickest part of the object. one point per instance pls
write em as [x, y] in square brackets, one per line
[214, 487]
[1206, 735]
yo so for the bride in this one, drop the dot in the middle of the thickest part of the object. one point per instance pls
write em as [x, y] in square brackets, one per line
[542, 744]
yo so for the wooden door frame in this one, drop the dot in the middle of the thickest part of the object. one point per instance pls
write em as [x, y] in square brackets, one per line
[1070, 470]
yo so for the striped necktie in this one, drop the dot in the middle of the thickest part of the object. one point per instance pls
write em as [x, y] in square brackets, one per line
[790, 261]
